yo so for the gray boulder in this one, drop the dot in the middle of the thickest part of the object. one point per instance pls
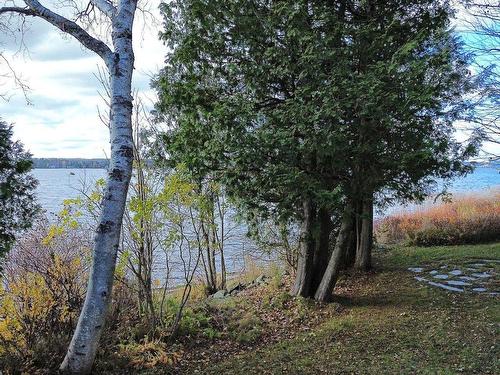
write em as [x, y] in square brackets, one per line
[219, 294]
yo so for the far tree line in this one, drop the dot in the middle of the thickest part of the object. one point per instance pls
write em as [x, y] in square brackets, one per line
[50, 163]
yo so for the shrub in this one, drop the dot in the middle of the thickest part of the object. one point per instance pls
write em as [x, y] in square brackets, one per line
[146, 355]
[43, 289]
[42, 292]
[466, 220]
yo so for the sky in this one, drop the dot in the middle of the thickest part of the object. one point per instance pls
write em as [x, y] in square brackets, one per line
[61, 118]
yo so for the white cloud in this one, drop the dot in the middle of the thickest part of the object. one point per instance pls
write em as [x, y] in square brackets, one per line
[63, 119]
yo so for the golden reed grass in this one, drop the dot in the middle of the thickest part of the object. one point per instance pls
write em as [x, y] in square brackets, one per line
[471, 218]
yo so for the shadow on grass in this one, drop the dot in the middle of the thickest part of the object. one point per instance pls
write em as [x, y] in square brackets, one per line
[387, 287]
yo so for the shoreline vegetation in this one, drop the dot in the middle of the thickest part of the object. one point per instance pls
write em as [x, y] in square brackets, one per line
[254, 320]
[464, 218]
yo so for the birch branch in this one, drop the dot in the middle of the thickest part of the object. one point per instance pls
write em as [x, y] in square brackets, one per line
[35, 9]
[19, 10]
[105, 7]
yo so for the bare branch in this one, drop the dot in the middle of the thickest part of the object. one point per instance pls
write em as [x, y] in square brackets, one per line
[35, 9]
[482, 27]
[19, 10]
[18, 81]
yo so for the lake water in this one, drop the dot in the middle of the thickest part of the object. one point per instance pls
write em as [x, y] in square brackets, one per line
[56, 185]
[481, 181]
[483, 178]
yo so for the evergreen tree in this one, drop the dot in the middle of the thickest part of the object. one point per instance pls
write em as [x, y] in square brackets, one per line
[17, 189]
[408, 79]
[306, 109]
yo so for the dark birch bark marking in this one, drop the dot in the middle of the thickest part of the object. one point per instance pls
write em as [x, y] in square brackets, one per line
[82, 349]
[303, 278]
[325, 288]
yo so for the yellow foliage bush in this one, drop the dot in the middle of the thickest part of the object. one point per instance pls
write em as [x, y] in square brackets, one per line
[40, 298]
[148, 354]
[33, 306]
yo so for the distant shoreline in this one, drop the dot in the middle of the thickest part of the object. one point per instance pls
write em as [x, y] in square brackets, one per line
[69, 163]
[100, 163]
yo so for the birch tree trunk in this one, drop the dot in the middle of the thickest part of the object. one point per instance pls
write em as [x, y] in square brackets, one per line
[120, 63]
[83, 346]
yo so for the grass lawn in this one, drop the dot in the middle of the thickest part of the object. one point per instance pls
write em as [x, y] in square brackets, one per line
[390, 324]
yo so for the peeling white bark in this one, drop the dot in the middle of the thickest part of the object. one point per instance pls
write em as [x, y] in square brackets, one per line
[82, 349]
[120, 63]
[105, 6]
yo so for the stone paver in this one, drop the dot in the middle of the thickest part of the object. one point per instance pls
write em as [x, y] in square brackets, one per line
[457, 283]
[473, 277]
[479, 289]
[416, 269]
[441, 277]
[444, 286]
[483, 275]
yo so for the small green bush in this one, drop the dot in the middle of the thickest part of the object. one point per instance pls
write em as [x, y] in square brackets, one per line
[211, 333]
[194, 321]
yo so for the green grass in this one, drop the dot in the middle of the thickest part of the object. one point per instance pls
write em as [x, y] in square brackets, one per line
[392, 325]
[407, 256]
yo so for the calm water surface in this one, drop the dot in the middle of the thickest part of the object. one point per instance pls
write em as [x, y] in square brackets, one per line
[483, 178]
[56, 185]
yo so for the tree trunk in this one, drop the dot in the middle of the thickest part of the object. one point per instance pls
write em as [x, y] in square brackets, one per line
[145, 249]
[350, 255]
[303, 278]
[223, 272]
[83, 346]
[324, 291]
[210, 261]
[220, 243]
[364, 252]
[322, 249]
[213, 266]
[290, 252]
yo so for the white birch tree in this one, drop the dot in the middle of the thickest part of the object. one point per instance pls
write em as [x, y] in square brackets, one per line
[117, 53]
